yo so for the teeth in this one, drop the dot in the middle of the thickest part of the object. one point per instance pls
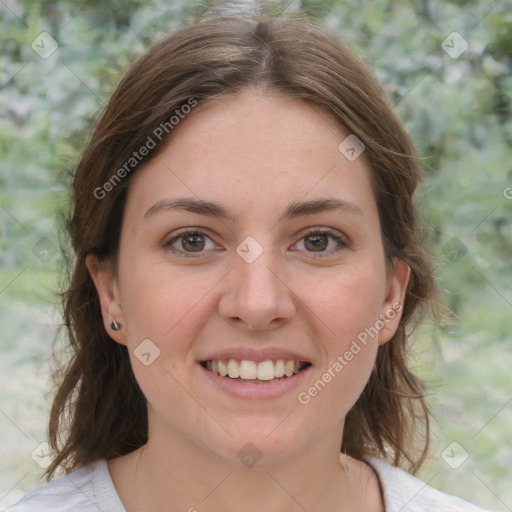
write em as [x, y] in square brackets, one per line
[251, 370]
[248, 370]
[233, 370]
[279, 369]
[266, 370]
[223, 369]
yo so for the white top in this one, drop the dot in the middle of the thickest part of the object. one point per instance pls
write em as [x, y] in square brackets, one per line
[90, 489]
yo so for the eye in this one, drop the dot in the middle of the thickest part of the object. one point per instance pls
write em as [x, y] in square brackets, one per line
[189, 241]
[323, 241]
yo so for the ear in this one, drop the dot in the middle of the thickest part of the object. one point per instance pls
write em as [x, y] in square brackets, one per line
[393, 304]
[108, 291]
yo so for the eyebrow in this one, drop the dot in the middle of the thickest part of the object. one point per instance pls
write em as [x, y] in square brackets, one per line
[294, 210]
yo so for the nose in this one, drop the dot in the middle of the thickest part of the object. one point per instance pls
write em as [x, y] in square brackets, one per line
[256, 294]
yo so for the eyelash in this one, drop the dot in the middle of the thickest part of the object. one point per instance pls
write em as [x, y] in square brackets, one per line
[340, 240]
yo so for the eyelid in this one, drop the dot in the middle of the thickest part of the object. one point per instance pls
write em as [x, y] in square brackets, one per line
[178, 233]
[342, 241]
[181, 233]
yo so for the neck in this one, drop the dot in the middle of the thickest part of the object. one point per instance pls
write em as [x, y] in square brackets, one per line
[184, 477]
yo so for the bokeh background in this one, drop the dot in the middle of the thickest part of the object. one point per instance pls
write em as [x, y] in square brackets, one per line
[446, 66]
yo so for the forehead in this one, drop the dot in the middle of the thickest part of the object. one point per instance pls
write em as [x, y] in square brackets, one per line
[255, 151]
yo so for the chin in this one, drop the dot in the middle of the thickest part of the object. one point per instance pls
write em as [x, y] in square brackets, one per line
[262, 441]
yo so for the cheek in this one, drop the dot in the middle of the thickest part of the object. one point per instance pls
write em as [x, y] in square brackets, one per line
[159, 300]
[348, 302]
[168, 308]
[347, 309]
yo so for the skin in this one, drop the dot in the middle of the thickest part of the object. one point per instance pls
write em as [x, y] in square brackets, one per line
[253, 153]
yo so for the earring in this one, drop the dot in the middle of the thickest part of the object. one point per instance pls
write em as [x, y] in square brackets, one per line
[115, 326]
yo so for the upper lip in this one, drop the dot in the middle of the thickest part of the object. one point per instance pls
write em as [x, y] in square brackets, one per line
[257, 355]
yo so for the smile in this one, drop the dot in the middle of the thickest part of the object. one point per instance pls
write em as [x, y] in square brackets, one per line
[248, 379]
[253, 371]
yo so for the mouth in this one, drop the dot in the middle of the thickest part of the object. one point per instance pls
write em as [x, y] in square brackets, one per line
[255, 372]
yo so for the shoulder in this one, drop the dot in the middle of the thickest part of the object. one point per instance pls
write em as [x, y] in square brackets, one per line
[405, 493]
[88, 489]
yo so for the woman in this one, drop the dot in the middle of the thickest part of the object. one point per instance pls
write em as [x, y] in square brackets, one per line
[247, 263]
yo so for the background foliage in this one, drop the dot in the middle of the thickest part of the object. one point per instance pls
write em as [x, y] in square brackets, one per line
[458, 111]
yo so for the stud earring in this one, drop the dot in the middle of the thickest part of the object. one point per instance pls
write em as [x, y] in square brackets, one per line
[115, 326]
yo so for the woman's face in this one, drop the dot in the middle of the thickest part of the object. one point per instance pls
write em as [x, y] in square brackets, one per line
[283, 261]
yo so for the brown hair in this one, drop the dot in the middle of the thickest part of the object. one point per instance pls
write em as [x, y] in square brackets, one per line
[99, 410]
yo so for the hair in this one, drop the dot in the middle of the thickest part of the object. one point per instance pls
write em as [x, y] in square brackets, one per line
[99, 410]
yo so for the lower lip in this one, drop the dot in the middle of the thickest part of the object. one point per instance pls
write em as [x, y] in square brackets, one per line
[251, 390]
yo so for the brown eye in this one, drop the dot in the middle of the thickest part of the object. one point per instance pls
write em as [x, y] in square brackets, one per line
[192, 243]
[323, 242]
[316, 243]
